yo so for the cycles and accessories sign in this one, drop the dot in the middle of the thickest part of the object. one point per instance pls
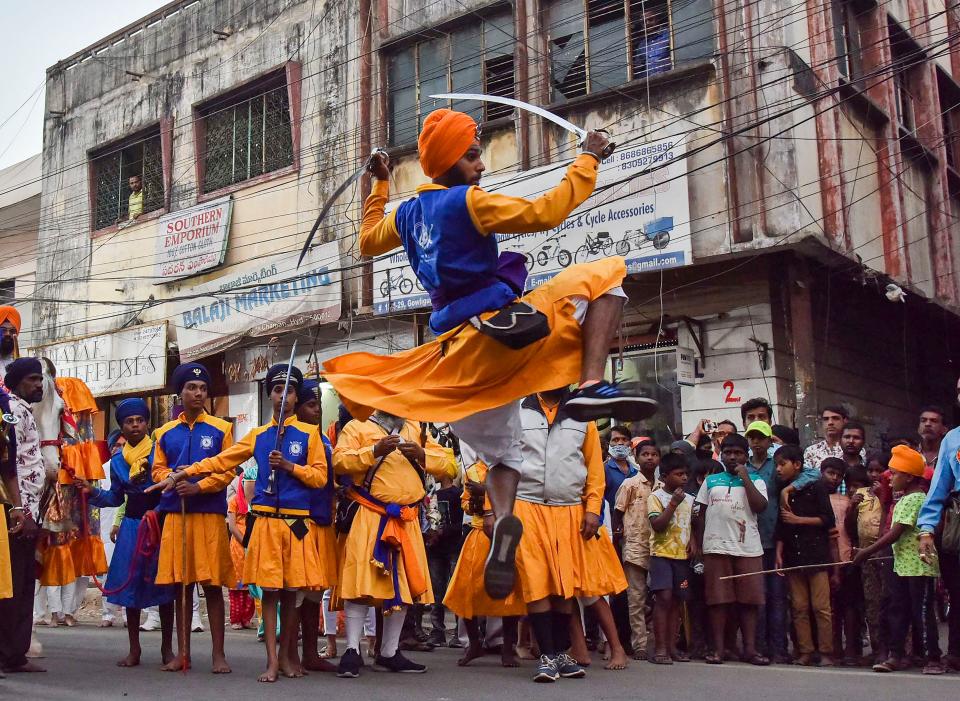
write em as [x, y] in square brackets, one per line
[263, 296]
[125, 361]
[639, 210]
[192, 240]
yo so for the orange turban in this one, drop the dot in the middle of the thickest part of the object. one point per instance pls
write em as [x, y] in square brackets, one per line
[8, 313]
[445, 137]
[904, 459]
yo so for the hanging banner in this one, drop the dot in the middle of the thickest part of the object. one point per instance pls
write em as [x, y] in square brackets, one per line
[121, 362]
[642, 216]
[192, 240]
[259, 297]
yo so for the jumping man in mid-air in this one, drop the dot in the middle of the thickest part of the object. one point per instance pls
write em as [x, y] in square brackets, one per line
[493, 345]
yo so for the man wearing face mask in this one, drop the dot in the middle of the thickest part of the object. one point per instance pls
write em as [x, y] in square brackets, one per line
[9, 331]
[620, 465]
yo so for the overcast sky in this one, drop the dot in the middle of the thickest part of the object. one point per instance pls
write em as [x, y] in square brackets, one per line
[35, 36]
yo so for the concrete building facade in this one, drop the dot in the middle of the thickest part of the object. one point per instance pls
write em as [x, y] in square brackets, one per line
[814, 146]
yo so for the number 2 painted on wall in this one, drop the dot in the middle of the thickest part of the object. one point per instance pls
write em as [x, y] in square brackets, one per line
[730, 399]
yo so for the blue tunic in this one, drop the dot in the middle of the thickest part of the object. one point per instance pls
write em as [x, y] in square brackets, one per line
[129, 570]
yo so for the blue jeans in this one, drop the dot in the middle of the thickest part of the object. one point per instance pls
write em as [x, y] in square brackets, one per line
[772, 621]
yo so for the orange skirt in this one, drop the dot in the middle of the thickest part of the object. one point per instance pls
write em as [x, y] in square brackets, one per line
[329, 553]
[6, 578]
[551, 558]
[208, 552]
[277, 559]
[466, 596]
[604, 571]
[236, 556]
[361, 580]
[464, 372]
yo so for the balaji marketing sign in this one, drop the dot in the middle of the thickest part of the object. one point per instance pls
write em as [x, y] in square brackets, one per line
[640, 210]
[255, 298]
[192, 240]
[125, 361]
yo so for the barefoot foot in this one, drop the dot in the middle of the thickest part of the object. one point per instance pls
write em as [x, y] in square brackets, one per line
[318, 664]
[290, 669]
[508, 658]
[618, 660]
[175, 664]
[131, 660]
[220, 665]
[270, 675]
[473, 651]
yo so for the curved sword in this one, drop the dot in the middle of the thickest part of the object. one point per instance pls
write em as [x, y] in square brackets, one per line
[519, 104]
[329, 204]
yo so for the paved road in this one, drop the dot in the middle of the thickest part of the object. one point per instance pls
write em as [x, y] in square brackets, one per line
[81, 664]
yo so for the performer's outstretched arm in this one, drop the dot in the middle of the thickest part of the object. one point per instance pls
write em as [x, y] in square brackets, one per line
[502, 214]
[378, 233]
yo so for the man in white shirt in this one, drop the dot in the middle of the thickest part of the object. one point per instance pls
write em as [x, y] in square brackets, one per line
[726, 524]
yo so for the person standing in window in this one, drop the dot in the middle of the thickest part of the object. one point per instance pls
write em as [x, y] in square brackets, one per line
[135, 201]
[651, 47]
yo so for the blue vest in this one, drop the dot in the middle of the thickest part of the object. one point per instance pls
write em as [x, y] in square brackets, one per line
[184, 446]
[321, 500]
[455, 263]
[291, 496]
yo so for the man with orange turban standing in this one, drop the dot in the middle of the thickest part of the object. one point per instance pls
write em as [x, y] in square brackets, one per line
[493, 346]
[9, 331]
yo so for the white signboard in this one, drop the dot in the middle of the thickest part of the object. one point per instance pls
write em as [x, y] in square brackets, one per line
[258, 297]
[642, 216]
[190, 241]
[121, 362]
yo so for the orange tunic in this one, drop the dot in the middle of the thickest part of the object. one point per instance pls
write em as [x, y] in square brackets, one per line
[464, 372]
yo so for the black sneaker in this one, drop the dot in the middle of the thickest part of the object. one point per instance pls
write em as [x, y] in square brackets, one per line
[500, 571]
[350, 664]
[437, 638]
[399, 663]
[604, 399]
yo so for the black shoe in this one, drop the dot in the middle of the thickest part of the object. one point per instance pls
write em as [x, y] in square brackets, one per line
[500, 571]
[350, 664]
[399, 663]
[604, 399]
[437, 638]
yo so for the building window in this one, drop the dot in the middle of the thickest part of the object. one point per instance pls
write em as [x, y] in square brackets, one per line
[8, 291]
[905, 55]
[477, 57]
[847, 44]
[599, 44]
[118, 169]
[247, 133]
[950, 114]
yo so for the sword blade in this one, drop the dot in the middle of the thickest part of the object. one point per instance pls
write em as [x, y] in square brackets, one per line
[326, 208]
[519, 104]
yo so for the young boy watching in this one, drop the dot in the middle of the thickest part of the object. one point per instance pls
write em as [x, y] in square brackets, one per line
[727, 527]
[803, 538]
[670, 510]
[912, 597]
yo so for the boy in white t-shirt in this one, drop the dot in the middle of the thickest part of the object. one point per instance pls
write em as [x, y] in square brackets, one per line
[726, 525]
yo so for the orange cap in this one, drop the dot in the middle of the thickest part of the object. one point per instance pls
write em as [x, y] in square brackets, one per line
[445, 137]
[8, 313]
[904, 459]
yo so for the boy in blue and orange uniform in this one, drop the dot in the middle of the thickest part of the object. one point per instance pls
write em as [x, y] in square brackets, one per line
[477, 369]
[191, 437]
[130, 581]
[284, 551]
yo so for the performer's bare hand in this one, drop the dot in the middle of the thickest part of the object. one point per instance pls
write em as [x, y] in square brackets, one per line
[114, 532]
[164, 485]
[17, 519]
[598, 143]
[475, 489]
[590, 525]
[379, 165]
[278, 462]
[386, 445]
[488, 521]
[187, 489]
[83, 484]
[413, 452]
[928, 551]
[785, 499]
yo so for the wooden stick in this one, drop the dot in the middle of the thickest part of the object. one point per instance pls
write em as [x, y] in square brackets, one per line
[801, 567]
[184, 621]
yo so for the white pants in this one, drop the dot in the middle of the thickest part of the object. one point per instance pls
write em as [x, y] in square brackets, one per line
[494, 434]
[59, 601]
